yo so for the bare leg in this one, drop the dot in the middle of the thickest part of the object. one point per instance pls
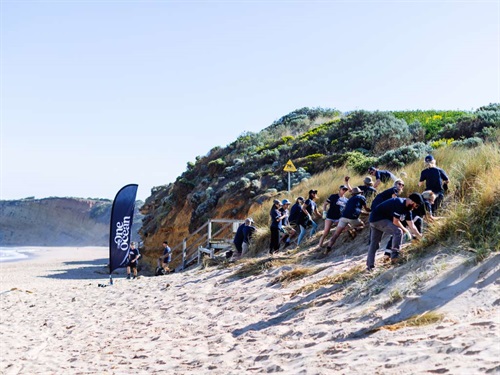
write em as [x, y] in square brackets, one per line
[328, 225]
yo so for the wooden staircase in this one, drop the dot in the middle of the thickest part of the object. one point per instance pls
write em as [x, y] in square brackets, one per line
[212, 237]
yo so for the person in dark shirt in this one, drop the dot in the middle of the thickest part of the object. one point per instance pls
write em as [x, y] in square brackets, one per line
[435, 179]
[133, 257]
[336, 204]
[238, 242]
[276, 218]
[309, 209]
[388, 218]
[288, 231]
[248, 231]
[367, 188]
[392, 192]
[350, 216]
[166, 257]
[381, 176]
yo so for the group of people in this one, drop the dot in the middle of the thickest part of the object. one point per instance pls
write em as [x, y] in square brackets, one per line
[389, 213]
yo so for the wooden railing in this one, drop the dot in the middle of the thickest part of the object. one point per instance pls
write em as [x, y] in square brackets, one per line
[190, 245]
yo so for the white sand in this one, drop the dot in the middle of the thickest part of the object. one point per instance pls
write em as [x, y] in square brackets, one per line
[58, 321]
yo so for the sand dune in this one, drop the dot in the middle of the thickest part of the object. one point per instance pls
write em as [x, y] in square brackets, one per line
[58, 321]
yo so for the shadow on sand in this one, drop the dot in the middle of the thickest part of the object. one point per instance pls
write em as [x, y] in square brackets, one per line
[83, 270]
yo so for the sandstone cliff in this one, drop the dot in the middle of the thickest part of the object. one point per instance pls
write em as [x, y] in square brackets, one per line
[58, 222]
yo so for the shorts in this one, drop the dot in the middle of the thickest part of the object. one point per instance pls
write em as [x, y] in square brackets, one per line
[343, 222]
[334, 221]
[132, 265]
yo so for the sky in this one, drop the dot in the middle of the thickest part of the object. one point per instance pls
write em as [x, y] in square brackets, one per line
[95, 95]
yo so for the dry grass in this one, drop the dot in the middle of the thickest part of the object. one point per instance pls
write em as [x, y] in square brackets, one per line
[341, 278]
[424, 319]
[254, 267]
[298, 273]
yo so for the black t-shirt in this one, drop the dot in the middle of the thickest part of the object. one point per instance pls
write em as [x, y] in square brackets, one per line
[433, 178]
[391, 208]
[336, 207]
[383, 196]
[353, 206]
[368, 191]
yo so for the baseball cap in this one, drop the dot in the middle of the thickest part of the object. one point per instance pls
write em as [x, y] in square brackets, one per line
[285, 201]
[343, 187]
[429, 158]
[372, 169]
[368, 180]
[300, 198]
[276, 201]
[313, 192]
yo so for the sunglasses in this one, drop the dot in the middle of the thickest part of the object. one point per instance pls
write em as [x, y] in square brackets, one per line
[400, 184]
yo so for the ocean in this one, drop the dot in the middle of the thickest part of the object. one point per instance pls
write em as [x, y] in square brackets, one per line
[17, 254]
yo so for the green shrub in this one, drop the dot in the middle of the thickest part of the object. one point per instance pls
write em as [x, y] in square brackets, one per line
[468, 143]
[443, 142]
[403, 155]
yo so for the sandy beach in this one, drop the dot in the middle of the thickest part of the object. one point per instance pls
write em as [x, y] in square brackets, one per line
[57, 320]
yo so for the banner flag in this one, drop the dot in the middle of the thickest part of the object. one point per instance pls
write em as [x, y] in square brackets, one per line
[122, 215]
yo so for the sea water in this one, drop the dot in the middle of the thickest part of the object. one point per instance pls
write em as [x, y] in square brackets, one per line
[16, 254]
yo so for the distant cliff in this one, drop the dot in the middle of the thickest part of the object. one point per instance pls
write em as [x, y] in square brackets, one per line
[58, 222]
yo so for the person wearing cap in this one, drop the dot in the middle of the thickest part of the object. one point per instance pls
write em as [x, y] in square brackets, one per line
[336, 204]
[286, 228]
[435, 179]
[248, 231]
[276, 226]
[350, 216]
[387, 218]
[309, 209]
[381, 176]
[367, 188]
[166, 257]
[133, 257]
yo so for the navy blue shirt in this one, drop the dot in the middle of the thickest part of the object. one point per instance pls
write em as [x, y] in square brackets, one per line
[295, 213]
[433, 178]
[367, 191]
[383, 196]
[248, 231]
[421, 210]
[383, 176]
[353, 206]
[310, 206]
[239, 236]
[391, 208]
[336, 207]
[275, 214]
[132, 254]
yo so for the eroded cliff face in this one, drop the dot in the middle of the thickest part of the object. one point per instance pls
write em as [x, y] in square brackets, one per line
[57, 222]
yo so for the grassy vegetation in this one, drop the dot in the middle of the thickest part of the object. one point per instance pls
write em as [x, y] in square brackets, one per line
[341, 278]
[298, 273]
[470, 216]
[253, 267]
[424, 319]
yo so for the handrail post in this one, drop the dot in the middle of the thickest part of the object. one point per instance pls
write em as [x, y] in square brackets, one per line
[184, 253]
[209, 236]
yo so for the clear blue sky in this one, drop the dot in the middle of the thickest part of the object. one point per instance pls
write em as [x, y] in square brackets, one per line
[99, 94]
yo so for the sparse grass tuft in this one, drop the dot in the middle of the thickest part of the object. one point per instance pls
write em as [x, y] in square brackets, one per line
[219, 262]
[254, 267]
[427, 318]
[341, 278]
[298, 273]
